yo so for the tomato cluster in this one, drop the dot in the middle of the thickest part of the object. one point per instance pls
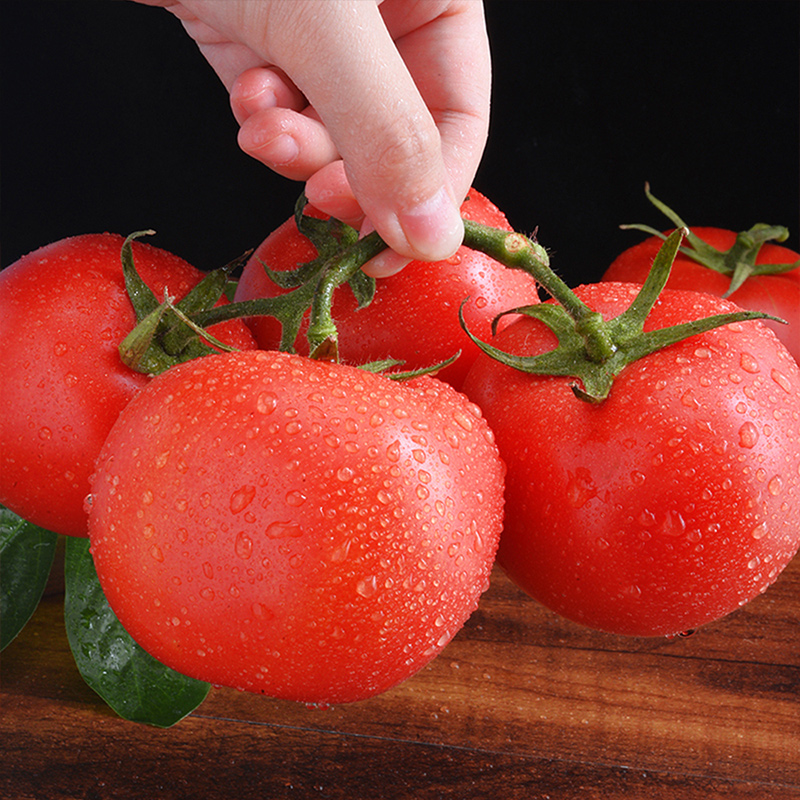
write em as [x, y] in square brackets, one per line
[312, 529]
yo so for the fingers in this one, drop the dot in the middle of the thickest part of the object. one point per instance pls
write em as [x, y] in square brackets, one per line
[277, 126]
[260, 88]
[291, 144]
[399, 91]
[329, 190]
[382, 127]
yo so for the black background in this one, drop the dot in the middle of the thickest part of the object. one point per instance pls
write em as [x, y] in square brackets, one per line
[112, 120]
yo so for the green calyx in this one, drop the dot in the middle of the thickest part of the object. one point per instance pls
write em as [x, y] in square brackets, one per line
[739, 262]
[168, 333]
[591, 349]
[165, 333]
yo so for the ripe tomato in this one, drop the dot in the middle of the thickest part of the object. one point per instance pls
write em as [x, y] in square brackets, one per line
[777, 294]
[63, 312]
[302, 529]
[414, 314]
[671, 503]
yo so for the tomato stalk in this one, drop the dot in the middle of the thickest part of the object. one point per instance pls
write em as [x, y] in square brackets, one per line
[590, 348]
[738, 262]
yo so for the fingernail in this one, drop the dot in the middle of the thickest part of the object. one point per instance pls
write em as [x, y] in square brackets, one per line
[385, 264]
[434, 229]
[281, 150]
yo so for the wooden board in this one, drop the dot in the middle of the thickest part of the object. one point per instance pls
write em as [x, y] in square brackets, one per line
[522, 704]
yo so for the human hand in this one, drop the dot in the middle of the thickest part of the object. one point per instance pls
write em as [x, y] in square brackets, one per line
[380, 106]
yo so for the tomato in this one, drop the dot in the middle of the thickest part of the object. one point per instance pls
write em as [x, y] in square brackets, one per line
[63, 312]
[777, 294]
[302, 529]
[669, 504]
[414, 314]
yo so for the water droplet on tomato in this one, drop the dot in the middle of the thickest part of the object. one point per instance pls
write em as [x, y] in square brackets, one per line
[295, 498]
[266, 402]
[748, 435]
[243, 545]
[345, 474]
[463, 420]
[340, 553]
[147, 497]
[749, 363]
[760, 531]
[688, 399]
[481, 302]
[45, 433]
[241, 498]
[283, 530]
[367, 587]
[580, 488]
[775, 485]
[60, 348]
[781, 380]
[155, 552]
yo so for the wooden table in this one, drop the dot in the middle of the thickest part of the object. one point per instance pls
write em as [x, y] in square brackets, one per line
[522, 704]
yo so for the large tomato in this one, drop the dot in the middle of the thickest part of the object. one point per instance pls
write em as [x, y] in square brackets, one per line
[414, 314]
[777, 294]
[671, 503]
[302, 529]
[63, 313]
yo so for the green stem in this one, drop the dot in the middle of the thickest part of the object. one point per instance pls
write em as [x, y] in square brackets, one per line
[516, 251]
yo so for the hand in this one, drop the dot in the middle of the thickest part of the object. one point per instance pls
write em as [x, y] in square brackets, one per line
[381, 107]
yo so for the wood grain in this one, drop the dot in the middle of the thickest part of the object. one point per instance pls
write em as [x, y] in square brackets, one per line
[522, 704]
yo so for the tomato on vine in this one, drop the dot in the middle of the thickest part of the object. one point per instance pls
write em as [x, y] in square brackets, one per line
[294, 527]
[653, 460]
[64, 310]
[413, 315]
[750, 268]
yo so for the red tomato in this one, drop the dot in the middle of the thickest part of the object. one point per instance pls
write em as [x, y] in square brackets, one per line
[302, 529]
[414, 314]
[671, 503]
[777, 294]
[63, 312]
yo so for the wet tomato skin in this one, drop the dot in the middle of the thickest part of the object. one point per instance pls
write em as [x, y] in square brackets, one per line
[671, 503]
[414, 314]
[63, 313]
[305, 530]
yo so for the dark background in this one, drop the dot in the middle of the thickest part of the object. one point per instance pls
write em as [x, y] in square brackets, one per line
[112, 120]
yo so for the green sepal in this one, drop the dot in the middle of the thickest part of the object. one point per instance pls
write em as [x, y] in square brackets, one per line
[381, 367]
[738, 262]
[141, 295]
[138, 687]
[26, 560]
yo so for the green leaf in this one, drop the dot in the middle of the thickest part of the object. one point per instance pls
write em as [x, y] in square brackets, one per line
[26, 558]
[137, 686]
